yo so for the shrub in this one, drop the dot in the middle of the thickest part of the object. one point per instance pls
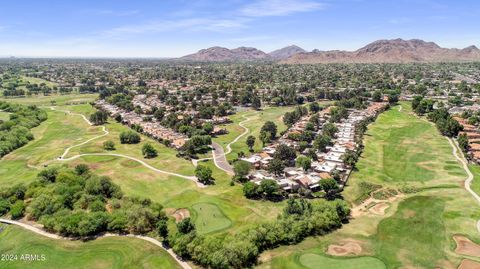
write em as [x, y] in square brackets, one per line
[129, 137]
[109, 145]
[17, 209]
[149, 151]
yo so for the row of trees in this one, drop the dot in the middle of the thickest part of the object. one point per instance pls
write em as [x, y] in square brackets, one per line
[15, 132]
[445, 123]
[77, 203]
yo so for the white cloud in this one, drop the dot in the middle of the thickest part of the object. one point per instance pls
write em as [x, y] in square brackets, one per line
[266, 8]
[215, 25]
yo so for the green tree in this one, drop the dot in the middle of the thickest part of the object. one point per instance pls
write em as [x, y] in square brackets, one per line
[463, 142]
[276, 167]
[256, 103]
[314, 107]
[4, 206]
[250, 142]
[251, 190]
[109, 145]
[204, 174]
[330, 186]
[285, 153]
[82, 169]
[129, 137]
[208, 127]
[17, 210]
[270, 128]
[350, 158]
[322, 142]
[304, 162]
[269, 187]
[377, 96]
[329, 129]
[149, 151]
[99, 117]
[185, 226]
[265, 137]
[241, 169]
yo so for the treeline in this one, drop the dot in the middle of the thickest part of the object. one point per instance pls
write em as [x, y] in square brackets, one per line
[300, 218]
[77, 203]
[445, 123]
[15, 132]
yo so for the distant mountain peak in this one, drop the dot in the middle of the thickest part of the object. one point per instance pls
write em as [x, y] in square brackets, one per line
[391, 51]
[286, 52]
[471, 48]
[221, 54]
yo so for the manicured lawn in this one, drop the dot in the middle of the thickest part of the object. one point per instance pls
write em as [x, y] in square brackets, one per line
[112, 252]
[42, 100]
[313, 261]
[402, 149]
[257, 119]
[475, 169]
[415, 235]
[63, 130]
[417, 230]
[209, 218]
[38, 81]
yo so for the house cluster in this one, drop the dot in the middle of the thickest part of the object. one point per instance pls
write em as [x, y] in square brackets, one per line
[148, 102]
[150, 128]
[328, 163]
[461, 109]
[473, 134]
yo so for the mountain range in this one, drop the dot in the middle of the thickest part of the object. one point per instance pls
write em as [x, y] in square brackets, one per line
[381, 51]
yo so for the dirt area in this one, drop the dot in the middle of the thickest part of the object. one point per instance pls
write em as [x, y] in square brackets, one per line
[374, 206]
[379, 209]
[469, 264]
[348, 247]
[178, 214]
[466, 247]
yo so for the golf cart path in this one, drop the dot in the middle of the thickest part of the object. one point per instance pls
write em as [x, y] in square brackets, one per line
[469, 179]
[106, 132]
[219, 155]
[154, 241]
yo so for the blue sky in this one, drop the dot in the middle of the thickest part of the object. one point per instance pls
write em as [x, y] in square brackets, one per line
[170, 28]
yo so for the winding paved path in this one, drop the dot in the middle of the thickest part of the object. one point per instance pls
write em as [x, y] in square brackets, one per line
[219, 155]
[104, 129]
[220, 159]
[62, 157]
[469, 179]
[154, 241]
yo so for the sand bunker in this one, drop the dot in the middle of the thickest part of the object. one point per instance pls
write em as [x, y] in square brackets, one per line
[180, 214]
[469, 264]
[345, 248]
[379, 209]
[466, 247]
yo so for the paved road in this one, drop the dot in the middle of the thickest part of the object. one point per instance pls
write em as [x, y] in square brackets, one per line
[62, 158]
[219, 158]
[469, 179]
[219, 155]
[154, 241]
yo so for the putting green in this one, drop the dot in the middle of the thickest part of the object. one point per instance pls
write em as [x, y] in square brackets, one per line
[209, 218]
[315, 261]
